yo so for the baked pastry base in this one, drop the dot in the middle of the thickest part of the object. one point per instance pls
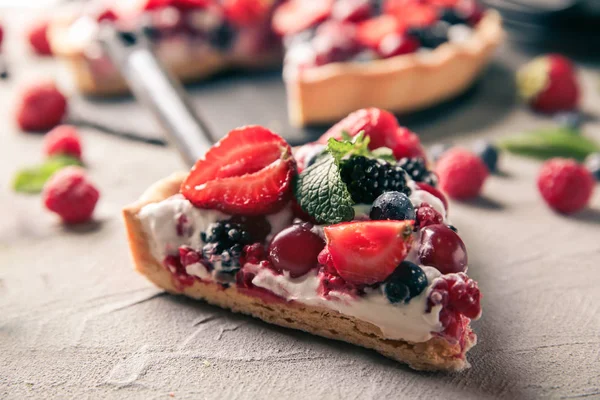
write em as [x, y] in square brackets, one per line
[398, 84]
[435, 354]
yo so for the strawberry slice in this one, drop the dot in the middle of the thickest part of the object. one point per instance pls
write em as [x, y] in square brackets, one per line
[297, 15]
[417, 15]
[246, 12]
[367, 252]
[371, 32]
[248, 172]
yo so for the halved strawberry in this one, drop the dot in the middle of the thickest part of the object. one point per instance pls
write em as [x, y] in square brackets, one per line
[246, 12]
[248, 172]
[367, 252]
[371, 32]
[296, 15]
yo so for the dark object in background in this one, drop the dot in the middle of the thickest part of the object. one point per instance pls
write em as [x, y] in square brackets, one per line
[569, 26]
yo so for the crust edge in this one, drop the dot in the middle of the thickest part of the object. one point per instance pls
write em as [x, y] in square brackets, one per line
[435, 354]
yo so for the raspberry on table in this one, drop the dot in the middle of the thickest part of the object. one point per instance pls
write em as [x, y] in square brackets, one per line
[461, 173]
[41, 106]
[38, 38]
[63, 140]
[71, 195]
[565, 185]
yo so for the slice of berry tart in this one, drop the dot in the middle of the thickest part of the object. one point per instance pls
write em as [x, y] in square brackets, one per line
[193, 38]
[346, 238]
[402, 55]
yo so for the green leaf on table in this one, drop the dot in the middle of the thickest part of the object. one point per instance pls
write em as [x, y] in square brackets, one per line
[550, 142]
[32, 179]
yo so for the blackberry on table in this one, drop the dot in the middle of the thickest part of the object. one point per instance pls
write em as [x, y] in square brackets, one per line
[417, 170]
[367, 178]
[224, 242]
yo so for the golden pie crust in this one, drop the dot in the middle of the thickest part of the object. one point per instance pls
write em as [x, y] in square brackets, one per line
[434, 354]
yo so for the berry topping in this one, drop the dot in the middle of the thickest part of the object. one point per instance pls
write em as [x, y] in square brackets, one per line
[416, 15]
[430, 189]
[295, 249]
[392, 205]
[245, 12]
[224, 242]
[427, 215]
[368, 178]
[64, 140]
[306, 155]
[407, 281]
[248, 172]
[565, 185]
[592, 162]
[442, 248]
[179, 275]
[417, 170]
[372, 32]
[71, 195]
[334, 42]
[431, 36]
[397, 44]
[549, 84]
[41, 106]
[405, 144]
[351, 10]
[296, 15]
[456, 292]
[488, 154]
[367, 252]
[38, 38]
[377, 124]
[461, 174]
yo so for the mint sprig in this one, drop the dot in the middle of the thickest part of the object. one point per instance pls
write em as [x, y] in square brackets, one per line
[31, 180]
[357, 146]
[321, 192]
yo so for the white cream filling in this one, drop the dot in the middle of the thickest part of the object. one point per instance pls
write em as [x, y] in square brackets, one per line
[397, 321]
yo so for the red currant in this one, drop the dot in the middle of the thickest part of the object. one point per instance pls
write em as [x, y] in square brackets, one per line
[295, 249]
[442, 248]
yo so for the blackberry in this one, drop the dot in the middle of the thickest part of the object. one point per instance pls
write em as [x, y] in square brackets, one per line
[416, 169]
[224, 243]
[367, 178]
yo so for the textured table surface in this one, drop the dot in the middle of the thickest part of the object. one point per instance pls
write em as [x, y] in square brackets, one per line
[77, 322]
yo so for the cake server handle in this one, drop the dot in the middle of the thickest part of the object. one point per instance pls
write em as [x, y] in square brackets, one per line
[154, 87]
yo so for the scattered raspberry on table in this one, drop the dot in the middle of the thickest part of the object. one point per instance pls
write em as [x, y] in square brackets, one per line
[71, 195]
[38, 38]
[65, 140]
[40, 106]
[461, 174]
[565, 185]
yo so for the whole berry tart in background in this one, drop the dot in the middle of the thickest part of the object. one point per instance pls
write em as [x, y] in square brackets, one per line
[340, 55]
[346, 238]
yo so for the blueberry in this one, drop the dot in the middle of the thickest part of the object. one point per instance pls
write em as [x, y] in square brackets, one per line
[488, 154]
[392, 205]
[437, 150]
[431, 37]
[569, 119]
[592, 162]
[222, 37]
[406, 282]
[453, 16]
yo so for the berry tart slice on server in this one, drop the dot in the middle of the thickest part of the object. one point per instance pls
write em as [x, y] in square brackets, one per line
[345, 238]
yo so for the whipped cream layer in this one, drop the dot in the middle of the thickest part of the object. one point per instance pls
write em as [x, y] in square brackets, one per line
[175, 222]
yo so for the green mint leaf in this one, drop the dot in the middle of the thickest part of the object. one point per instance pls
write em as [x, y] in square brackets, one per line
[32, 180]
[321, 192]
[549, 143]
[384, 153]
[355, 146]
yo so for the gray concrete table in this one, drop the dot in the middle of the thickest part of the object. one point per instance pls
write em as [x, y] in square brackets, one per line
[77, 322]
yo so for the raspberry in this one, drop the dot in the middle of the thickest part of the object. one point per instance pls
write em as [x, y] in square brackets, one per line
[565, 185]
[461, 173]
[38, 38]
[41, 106]
[69, 194]
[427, 215]
[63, 139]
[456, 292]
[1, 33]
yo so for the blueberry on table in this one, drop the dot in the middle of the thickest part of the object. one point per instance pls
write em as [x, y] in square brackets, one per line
[592, 162]
[392, 206]
[406, 282]
[488, 153]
